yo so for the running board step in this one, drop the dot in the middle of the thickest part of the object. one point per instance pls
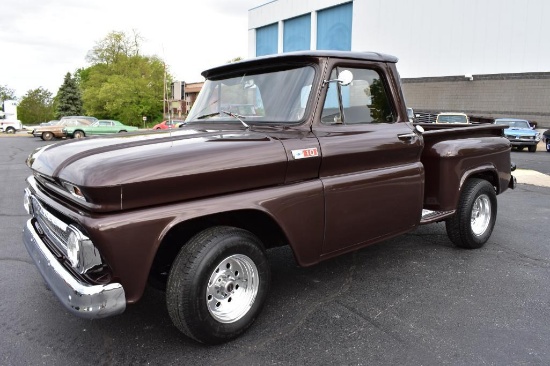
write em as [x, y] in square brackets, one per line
[429, 216]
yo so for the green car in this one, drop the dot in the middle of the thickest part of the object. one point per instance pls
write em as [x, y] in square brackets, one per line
[101, 127]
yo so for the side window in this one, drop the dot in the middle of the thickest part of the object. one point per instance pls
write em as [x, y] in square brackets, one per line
[363, 101]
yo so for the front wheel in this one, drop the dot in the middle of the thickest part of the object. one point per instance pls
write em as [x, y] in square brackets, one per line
[472, 224]
[47, 136]
[10, 130]
[532, 148]
[218, 284]
[548, 144]
[78, 134]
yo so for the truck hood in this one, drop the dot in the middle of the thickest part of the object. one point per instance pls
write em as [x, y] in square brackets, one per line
[520, 131]
[126, 171]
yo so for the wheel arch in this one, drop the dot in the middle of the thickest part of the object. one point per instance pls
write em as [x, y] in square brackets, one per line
[258, 222]
[487, 172]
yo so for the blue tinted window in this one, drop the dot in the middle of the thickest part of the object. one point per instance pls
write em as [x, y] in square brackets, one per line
[334, 28]
[267, 39]
[297, 34]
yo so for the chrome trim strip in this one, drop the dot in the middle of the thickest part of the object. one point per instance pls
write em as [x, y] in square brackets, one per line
[81, 299]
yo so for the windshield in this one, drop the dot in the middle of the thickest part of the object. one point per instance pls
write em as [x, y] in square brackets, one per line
[452, 119]
[514, 124]
[269, 97]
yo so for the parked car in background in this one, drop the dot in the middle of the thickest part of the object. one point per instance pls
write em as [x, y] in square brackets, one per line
[88, 118]
[451, 117]
[49, 123]
[520, 133]
[101, 127]
[165, 125]
[546, 139]
[50, 132]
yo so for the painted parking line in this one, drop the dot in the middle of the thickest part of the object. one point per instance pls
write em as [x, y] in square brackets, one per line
[525, 176]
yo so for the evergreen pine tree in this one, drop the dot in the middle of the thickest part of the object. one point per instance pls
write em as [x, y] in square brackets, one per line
[68, 99]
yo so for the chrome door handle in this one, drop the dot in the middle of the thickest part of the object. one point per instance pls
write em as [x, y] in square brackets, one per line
[409, 137]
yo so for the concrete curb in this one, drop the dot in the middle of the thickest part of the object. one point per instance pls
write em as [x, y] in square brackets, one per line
[525, 176]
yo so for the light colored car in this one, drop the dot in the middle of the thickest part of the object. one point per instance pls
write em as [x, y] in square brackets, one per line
[451, 117]
[101, 127]
[48, 133]
[520, 133]
[50, 123]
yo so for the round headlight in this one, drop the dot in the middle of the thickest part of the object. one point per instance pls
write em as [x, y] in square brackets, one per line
[73, 248]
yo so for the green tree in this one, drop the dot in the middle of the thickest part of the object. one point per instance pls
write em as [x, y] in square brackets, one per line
[114, 47]
[6, 93]
[36, 106]
[380, 109]
[121, 84]
[68, 101]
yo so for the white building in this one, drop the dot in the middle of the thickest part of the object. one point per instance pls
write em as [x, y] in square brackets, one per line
[500, 45]
[430, 37]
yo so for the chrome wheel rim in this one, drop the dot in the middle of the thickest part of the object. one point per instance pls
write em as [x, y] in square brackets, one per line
[232, 288]
[481, 215]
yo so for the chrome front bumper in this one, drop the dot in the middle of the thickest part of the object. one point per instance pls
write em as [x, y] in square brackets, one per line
[81, 299]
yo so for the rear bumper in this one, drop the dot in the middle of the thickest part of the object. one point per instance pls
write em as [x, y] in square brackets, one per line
[81, 299]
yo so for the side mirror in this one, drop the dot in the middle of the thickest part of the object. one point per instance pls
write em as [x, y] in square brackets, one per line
[345, 78]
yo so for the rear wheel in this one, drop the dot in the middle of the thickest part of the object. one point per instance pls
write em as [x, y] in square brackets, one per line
[532, 148]
[472, 224]
[78, 134]
[218, 284]
[121, 131]
[47, 136]
[520, 148]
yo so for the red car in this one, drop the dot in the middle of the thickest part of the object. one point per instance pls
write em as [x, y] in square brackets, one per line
[165, 125]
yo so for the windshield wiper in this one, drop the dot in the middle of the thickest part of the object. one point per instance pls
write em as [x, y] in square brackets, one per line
[237, 116]
[208, 115]
[234, 115]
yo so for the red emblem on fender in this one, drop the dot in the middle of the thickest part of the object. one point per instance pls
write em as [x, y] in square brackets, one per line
[305, 153]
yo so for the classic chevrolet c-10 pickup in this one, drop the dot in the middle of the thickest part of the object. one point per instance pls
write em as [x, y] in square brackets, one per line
[314, 150]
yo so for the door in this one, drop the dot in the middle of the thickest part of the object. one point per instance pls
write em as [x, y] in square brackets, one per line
[370, 169]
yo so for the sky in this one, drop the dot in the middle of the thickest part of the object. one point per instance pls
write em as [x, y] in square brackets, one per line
[42, 40]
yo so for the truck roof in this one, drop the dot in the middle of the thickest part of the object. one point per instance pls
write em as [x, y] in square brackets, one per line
[281, 58]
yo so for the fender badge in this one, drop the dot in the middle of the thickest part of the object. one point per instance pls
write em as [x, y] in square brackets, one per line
[305, 153]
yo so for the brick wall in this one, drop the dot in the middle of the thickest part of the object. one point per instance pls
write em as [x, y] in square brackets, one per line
[523, 95]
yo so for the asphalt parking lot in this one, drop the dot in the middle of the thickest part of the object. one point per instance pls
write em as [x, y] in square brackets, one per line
[413, 300]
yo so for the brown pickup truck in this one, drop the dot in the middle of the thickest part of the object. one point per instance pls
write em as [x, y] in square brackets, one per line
[313, 150]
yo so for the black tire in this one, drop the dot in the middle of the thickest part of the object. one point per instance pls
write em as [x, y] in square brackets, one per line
[10, 130]
[122, 131]
[548, 144]
[47, 136]
[78, 134]
[520, 148]
[532, 148]
[205, 311]
[478, 198]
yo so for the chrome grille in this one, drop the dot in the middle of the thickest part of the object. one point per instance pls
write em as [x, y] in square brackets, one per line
[55, 229]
